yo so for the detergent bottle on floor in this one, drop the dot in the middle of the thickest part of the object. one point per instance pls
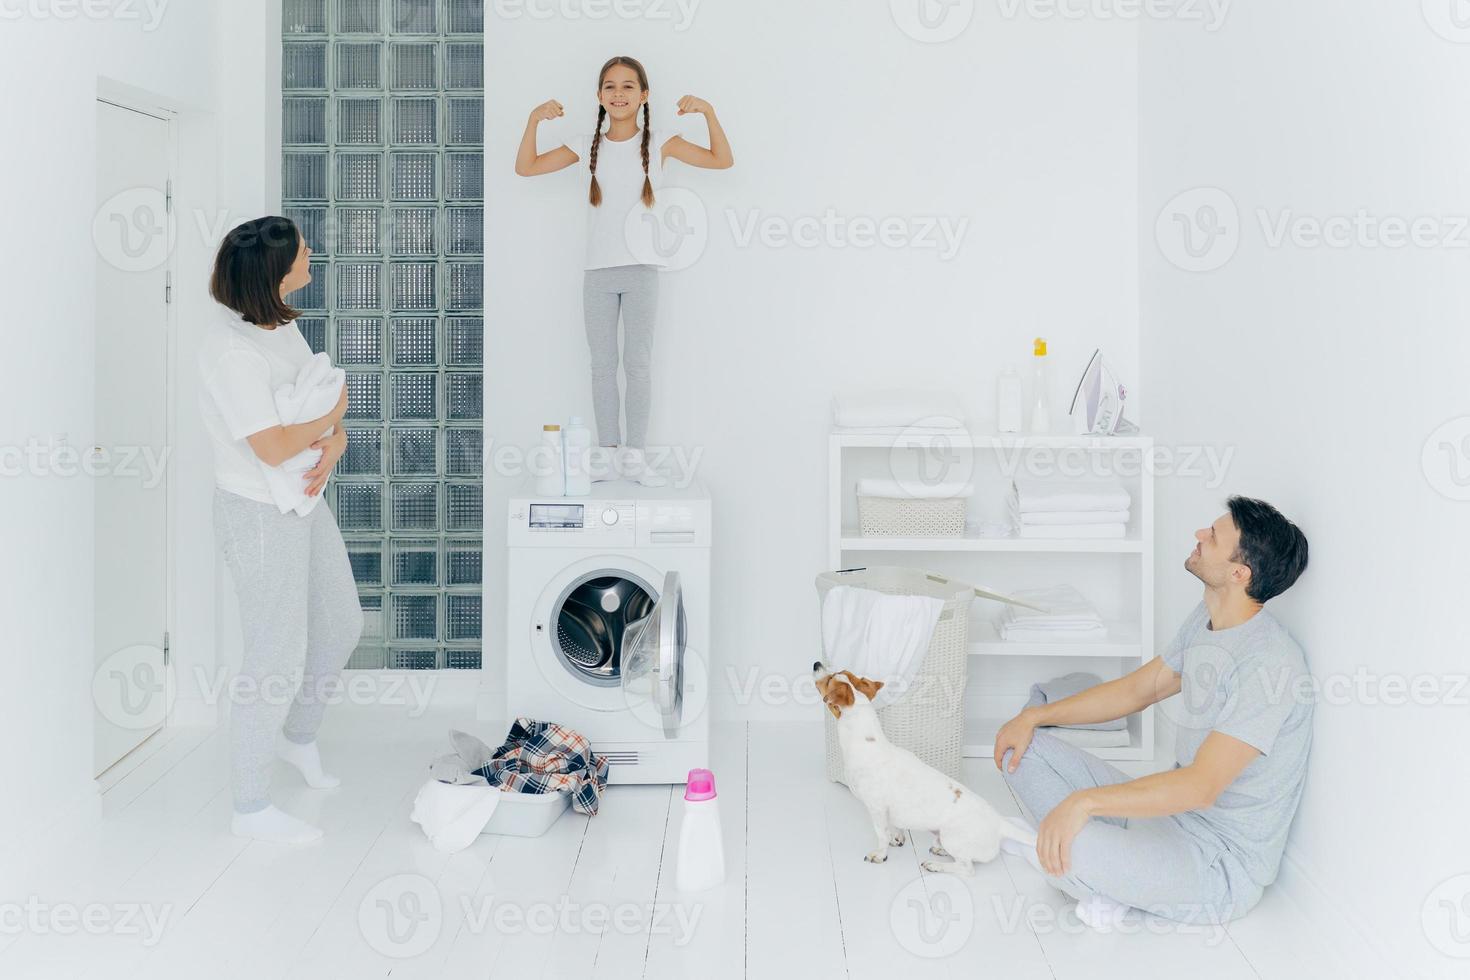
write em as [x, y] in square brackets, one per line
[701, 859]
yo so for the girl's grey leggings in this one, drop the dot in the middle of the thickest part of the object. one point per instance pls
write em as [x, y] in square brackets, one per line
[633, 291]
[301, 618]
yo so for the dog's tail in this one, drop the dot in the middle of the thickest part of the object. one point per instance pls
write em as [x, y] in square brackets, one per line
[1016, 829]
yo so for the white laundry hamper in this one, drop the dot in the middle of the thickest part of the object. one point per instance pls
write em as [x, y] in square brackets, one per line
[929, 718]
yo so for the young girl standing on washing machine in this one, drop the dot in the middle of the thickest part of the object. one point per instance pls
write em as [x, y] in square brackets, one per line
[625, 160]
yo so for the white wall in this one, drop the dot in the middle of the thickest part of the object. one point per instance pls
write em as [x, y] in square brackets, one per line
[1327, 370]
[187, 59]
[1025, 129]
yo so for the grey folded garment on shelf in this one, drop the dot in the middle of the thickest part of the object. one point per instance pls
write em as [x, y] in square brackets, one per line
[1066, 686]
[1085, 738]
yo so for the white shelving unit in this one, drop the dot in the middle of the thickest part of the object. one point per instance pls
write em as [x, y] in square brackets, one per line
[1130, 638]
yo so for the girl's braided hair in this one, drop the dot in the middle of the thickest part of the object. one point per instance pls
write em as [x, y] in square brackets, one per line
[594, 192]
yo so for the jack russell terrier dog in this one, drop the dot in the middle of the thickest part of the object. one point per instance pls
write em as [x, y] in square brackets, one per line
[901, 792]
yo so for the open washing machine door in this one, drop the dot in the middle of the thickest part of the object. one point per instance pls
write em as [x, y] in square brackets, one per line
[653, 659]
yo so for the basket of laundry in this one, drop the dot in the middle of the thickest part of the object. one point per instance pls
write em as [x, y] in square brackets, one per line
[918, 648]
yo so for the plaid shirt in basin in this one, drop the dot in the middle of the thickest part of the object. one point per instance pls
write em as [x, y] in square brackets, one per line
[542, 757]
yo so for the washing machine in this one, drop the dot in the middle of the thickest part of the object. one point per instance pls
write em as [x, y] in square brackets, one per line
[608, 620]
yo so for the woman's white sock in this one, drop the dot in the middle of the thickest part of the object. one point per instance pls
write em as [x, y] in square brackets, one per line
[308, 762]
[274, 826]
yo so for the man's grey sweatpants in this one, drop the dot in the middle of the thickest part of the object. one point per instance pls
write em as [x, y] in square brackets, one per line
[633, 291]
[1174, 867]
[301, 618]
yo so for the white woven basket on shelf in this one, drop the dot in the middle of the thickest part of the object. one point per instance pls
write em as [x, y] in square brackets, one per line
[935, 517]
[928, 719]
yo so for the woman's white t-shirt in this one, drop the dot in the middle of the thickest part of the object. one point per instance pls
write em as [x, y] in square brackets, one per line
[622, 230]
[240, 367]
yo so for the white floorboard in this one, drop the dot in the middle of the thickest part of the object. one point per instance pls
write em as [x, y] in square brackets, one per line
[594, 897]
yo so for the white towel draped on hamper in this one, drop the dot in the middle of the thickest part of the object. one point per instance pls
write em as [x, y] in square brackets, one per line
[882, 637]
[315, 392]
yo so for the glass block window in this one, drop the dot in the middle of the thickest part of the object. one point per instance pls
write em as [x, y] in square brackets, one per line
[382, 167]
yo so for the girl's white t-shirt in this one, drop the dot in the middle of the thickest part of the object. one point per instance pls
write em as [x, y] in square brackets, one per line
[240, 367]
[622, 230]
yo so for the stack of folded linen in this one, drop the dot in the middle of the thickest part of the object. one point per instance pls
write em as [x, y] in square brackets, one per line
[899, 412]
[1069, 618]
[1069, 508]
[1106, 734]
[914, 489]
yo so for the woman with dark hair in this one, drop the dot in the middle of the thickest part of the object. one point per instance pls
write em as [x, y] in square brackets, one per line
[298, 603]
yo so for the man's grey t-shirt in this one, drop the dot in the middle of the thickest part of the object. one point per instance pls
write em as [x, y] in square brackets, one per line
[1249, 682]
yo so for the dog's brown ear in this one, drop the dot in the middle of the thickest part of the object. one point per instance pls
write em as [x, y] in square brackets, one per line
[836, 697]
[867, 686]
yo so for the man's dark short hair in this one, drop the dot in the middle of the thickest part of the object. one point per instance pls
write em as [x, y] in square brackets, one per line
[1273, 548]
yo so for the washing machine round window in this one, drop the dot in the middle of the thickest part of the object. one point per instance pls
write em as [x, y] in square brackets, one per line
[592, 615]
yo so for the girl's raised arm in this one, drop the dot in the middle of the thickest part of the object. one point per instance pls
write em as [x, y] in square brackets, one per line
[531, 164]
[717, 156]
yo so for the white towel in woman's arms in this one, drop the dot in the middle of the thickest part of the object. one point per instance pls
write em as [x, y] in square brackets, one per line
[314, 393]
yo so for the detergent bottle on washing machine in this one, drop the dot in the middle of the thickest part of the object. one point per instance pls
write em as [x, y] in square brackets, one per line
[701, 858]
[577, 445]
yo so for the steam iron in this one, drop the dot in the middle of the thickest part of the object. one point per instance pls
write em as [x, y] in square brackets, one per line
[1097, 404]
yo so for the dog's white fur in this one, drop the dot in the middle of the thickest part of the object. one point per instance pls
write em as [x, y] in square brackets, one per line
[903, 793]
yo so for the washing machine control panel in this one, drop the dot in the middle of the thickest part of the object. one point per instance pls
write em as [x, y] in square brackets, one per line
[567, 524]
[644, 518]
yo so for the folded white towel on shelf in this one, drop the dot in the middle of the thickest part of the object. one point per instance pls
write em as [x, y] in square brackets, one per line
[1022, 634]
[1065, 616]
[902, 430]
[1074, 517]
[1088, 531]
[1052, 496]
[1058, 604]
[313, 394]
[898, 407]
[883, 637]
[1064, 516]
[914, 489]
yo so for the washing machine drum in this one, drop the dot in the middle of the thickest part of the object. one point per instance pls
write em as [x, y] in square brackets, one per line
[591, 624]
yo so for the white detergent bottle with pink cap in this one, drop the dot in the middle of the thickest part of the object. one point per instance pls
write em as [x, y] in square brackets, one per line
[701, 861]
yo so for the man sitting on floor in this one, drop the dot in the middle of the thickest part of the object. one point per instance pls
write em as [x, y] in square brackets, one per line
[1199, 842]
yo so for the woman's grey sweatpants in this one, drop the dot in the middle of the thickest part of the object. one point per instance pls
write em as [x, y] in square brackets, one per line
[633, 291]
[301, 618]
[1173, 867]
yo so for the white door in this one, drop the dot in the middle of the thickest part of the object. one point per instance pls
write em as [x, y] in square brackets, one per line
[131, 234]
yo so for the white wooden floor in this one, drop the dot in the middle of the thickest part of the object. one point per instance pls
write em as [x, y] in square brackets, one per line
[592, 898]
